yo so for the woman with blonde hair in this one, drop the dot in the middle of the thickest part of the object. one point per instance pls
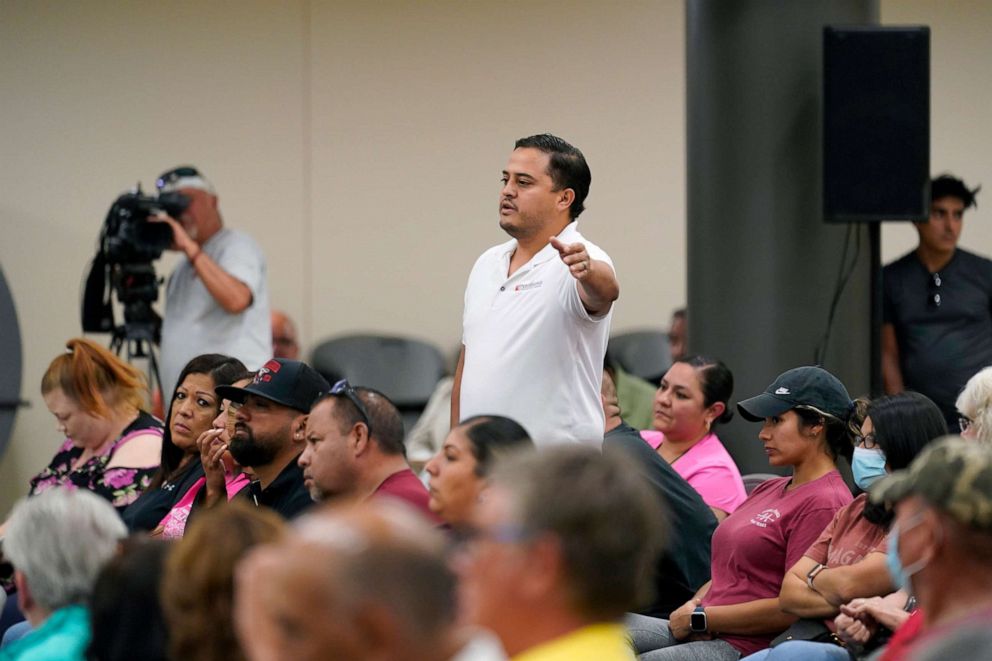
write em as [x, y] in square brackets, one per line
[111, 444]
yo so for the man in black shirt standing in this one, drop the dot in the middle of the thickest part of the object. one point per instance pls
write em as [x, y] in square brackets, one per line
[269, 431]
[937, 314]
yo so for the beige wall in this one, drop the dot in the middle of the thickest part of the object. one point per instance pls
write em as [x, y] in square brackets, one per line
[361, 144]
[960, 95]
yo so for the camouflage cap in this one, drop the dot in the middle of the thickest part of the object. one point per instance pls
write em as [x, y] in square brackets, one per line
[954, 475]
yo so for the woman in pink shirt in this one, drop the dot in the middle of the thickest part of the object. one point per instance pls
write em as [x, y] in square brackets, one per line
[691, 402]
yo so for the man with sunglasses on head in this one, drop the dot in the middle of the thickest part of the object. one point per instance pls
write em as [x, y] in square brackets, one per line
[217, 298]
[937, 306]
[270, 420]
[354, 449]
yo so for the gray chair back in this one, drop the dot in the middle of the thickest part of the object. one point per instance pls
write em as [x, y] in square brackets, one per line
[641, 353]
[404, 369]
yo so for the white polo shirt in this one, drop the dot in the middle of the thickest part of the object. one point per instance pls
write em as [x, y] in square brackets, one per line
[532, 351]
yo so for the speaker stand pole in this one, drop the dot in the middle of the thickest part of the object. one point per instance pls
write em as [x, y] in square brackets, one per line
[875, 249]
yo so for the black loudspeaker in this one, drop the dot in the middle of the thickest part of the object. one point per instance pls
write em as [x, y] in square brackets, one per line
[876, 123]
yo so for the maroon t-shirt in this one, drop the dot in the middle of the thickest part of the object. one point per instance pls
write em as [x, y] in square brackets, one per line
[404, 485]
[763, 538]
[849, 537]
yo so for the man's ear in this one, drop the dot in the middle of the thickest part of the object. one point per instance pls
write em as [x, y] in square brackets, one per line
[299, 429]
[547, 566]
[359, 438]
[565, 198]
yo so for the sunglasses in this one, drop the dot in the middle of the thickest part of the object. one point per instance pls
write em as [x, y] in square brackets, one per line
[344, 389]
[172, 176]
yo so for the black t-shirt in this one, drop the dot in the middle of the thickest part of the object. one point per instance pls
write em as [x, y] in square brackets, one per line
[286, 495]
[940, 346]
[146, 513]
[685, 564]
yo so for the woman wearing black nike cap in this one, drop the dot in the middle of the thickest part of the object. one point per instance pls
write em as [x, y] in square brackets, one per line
[806, 414]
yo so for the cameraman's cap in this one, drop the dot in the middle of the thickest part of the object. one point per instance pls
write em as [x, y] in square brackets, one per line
[811, 387]
[288, 382]
[952, 474]
[185, 176]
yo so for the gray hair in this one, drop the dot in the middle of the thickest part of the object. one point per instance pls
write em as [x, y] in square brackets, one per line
[609, 526]
[975, 403]
[59, 540]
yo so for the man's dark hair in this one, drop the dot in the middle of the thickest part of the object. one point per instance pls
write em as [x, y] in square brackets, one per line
[567, 167]
[947, 185]
[384, 418]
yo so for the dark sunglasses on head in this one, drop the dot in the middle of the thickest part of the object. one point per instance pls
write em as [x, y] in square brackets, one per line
[343, 388]
[172, 176]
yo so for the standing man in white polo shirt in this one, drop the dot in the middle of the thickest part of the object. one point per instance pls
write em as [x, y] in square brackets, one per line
[538, 307]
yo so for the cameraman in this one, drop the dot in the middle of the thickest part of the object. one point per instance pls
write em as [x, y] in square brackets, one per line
[217, 299]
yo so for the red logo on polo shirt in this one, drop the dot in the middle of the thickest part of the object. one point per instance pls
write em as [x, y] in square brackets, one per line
[528, 285]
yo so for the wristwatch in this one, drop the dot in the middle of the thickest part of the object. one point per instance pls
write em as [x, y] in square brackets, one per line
[697, 620]
[811, 574]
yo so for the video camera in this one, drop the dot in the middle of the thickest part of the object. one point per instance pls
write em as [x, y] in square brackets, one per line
[129, 243]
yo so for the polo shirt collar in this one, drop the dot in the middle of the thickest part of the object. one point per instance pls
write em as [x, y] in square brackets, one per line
[568, 234]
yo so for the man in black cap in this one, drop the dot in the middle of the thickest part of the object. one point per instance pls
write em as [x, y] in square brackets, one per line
[269, 431]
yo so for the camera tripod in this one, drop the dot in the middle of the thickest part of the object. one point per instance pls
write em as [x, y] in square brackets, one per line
[138, 340]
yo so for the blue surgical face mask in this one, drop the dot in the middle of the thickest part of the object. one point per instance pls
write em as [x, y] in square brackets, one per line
[901, 575]
[867, 466]
[892, 561]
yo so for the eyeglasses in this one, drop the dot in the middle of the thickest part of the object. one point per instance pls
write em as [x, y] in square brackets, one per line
[964, 423]
[342, 387]
[867, 441]
[172, 176]
[933, 294]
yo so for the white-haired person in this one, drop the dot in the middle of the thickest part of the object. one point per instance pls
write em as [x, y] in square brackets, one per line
[974, 405]
[58, 541]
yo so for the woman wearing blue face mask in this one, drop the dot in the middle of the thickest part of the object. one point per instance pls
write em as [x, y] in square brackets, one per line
[849, 560]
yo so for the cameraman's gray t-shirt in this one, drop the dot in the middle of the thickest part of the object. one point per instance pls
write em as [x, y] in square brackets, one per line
[194, 323]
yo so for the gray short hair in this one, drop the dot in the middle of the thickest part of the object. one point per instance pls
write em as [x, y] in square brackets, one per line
[975, 403]
[609, 525]
[59, 540]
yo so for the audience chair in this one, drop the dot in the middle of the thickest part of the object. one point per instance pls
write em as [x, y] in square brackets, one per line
[752, 480]
[641, 353]
[404, 369]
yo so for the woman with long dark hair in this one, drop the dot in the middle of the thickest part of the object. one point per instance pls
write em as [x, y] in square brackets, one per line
[192, 410]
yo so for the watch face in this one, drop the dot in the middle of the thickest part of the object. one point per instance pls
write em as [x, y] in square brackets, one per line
[697, 621]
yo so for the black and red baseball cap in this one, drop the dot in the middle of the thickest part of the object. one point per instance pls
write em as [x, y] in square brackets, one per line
[291, 383]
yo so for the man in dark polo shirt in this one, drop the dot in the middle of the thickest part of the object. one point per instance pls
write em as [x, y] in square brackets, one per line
[354, 448]
[269, 432]
[685, 563]
[937, 315]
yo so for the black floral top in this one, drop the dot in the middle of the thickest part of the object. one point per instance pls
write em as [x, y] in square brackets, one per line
[120, 485]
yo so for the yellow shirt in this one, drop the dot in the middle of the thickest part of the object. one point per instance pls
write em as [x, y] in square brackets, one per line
[596, 642]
